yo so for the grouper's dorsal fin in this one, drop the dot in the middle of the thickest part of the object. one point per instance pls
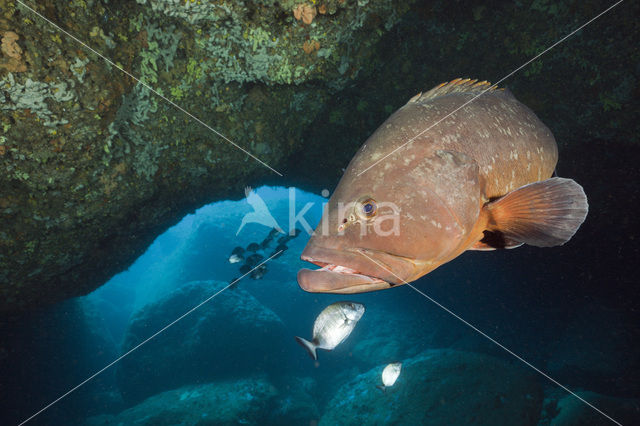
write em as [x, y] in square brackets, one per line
[459, 85]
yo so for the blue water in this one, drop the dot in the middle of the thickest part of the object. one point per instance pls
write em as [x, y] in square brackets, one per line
[249, 357]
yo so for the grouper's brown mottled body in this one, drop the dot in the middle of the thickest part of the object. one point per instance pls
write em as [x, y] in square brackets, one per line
[443, 182]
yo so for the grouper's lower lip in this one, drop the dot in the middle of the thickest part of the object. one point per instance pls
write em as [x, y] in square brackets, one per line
[328, 280]
[361, 274]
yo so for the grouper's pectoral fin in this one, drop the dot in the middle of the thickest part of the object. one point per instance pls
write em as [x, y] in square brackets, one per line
[543, 214]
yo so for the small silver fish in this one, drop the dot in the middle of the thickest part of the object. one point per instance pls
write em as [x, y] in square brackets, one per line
[390, 375]
[237, 255]
[332, 326]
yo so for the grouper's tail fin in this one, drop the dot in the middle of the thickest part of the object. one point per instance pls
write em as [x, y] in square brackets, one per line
[544, 214]
[309, 346]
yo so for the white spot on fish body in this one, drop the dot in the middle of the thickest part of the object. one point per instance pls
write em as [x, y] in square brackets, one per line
[436, 224]
[375, 156]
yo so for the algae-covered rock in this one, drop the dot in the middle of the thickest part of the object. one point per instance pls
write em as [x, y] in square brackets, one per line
[232, 335]
[95, 164]
[441, 387]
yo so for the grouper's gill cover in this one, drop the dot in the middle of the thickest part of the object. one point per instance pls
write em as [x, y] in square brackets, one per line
[428, 202]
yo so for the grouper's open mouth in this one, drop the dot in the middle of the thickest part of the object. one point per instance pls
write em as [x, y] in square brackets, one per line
[352, 271]
[337, 279]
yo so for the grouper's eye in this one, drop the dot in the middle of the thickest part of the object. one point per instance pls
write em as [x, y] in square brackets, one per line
[367, 208]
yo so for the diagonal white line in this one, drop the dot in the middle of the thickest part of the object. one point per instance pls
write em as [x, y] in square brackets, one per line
[146, 340]
[169, 101]
[493, 340]
[495, 84]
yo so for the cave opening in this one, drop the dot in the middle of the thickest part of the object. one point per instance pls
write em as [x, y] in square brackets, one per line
[199, 247]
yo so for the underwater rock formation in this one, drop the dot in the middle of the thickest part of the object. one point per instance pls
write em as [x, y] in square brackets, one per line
[208, 349]
[438, 386]
[223, 403]
[94, 166]
[294, 404]
[562, 409]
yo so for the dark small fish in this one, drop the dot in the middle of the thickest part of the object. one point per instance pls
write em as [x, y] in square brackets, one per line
[275, 254]
[245, 268]
[284, 239]
[259, 272]
[233, 283]
[279, 251]
[254, 247]
[265, 243]
[237, 255]
[254, 259]
[272, 233]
